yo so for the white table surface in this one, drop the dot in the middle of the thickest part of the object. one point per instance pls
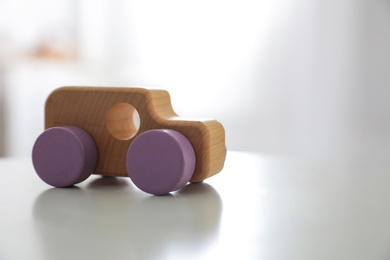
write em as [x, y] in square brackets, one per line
[258, 207]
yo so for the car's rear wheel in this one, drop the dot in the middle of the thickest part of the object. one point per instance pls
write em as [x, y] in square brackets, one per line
[63, 156]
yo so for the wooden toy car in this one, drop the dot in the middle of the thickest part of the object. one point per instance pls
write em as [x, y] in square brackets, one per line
[134, 132]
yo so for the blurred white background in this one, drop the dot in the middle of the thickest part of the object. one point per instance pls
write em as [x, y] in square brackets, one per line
[300, 77]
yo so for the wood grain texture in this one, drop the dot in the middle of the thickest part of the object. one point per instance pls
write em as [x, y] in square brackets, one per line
[87, 108]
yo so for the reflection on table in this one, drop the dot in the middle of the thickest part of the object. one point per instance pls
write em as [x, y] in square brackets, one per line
[106, 219]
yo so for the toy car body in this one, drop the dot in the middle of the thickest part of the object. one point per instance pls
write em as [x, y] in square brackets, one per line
[107, 115]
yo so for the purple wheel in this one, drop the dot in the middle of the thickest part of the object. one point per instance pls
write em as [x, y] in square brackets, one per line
[160, 161]
[63, 156]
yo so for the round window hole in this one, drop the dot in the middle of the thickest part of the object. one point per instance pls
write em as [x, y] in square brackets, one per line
[122, 121]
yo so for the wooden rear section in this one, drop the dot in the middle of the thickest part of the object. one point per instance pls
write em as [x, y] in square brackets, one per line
[87, 108]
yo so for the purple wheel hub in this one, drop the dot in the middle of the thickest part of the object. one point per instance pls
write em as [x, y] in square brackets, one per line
[63, 156]
[160, 161]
